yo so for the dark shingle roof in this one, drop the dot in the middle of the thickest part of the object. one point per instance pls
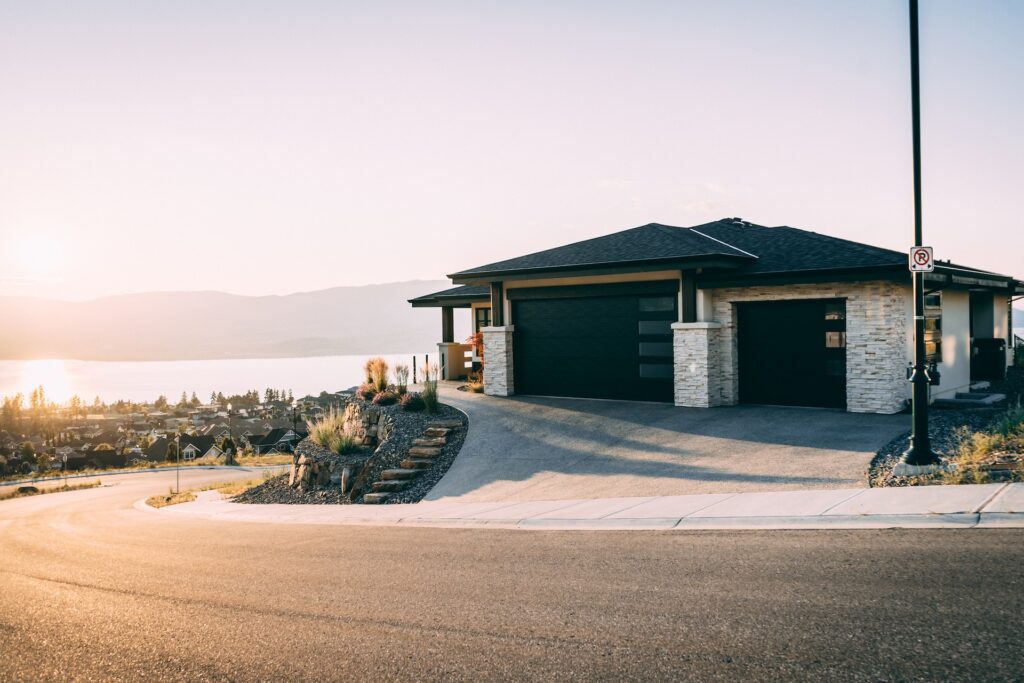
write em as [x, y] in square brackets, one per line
[785, 250]
[651, 242]
[459, 293]
[740, 248]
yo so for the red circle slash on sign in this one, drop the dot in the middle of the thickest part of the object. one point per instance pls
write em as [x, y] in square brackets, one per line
[921, 257]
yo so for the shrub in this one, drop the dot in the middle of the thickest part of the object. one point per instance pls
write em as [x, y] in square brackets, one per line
[475, 382]
[401, 378]
[385, 398]
[377, 373]
[366, 392]
[329, 432]
[429, 393]
[412, 402]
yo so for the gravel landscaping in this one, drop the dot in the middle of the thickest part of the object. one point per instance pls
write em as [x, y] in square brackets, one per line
[388, 455]
[945, 427]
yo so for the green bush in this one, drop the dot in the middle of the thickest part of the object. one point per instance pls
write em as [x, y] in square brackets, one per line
[412, 402]
[385, 398]
[429, 393]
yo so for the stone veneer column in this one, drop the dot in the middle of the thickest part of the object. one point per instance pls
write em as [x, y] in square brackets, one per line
[498, 377]
[695, 352]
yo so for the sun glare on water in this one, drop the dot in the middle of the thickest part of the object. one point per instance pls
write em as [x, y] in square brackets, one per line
[51, 375]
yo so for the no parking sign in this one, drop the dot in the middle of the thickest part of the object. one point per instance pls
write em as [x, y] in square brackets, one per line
[922, 260]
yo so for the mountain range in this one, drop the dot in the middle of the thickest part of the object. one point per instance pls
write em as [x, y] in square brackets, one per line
[210, 325]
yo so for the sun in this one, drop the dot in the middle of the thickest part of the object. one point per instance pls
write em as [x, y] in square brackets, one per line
[52, 375]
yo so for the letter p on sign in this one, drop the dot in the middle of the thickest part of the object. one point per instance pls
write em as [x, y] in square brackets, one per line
[921, 260]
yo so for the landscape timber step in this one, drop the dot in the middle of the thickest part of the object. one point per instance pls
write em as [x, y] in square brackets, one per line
[393, 486]
[437, 441]
[417, 464]
[388, 475]
[444, 424]
[980, 386]
[436, 432]
[424, 452]
[376, 498]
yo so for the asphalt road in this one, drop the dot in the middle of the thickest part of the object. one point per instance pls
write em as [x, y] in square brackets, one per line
[92, 589]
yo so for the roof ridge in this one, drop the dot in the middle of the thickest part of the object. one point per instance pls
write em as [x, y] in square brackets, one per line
[672, 231]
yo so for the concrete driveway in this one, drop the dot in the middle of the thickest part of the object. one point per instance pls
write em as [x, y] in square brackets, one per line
[534, 448]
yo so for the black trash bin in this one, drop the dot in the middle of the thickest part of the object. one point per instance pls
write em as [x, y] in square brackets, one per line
[988, 359]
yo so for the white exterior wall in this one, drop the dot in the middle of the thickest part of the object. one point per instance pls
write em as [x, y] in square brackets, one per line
[876, 330]
[956, 344]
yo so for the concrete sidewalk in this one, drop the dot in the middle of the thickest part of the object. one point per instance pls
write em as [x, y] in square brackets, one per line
[975, 506]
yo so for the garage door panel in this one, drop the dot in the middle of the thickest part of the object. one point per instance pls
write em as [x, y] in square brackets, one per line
[590, 347]
[783, 354]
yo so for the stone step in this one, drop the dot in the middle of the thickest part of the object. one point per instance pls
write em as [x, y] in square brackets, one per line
[389, 475]
[435, 432]
[437, 441]
[375, 498]
[393, 486]
[417, 464]
[444, 424]
[424, 452]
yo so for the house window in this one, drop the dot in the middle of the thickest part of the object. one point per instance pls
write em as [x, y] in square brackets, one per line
[655, 327]
[483, 318]
[660, 304]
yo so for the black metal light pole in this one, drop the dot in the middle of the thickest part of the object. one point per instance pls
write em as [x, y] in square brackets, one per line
[920, 453]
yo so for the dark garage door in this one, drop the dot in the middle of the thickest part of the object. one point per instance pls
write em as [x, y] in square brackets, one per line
[793, 353]
[613, 346]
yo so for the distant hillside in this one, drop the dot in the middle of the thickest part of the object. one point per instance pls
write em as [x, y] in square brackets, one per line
[206, 325]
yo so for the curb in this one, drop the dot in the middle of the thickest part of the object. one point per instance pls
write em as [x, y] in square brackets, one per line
[968, 520]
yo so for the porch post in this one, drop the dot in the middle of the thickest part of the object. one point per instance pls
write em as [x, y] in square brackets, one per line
[447, 325]
[497, 305]
[688, 313]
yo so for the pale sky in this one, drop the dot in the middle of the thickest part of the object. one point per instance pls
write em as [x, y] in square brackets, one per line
[262, 148]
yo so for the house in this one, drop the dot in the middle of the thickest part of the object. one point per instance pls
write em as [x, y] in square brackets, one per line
[278, 440]
[199, 447]
[724, 313]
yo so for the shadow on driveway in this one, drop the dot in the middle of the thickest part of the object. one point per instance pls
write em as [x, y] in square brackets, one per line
[536, 448]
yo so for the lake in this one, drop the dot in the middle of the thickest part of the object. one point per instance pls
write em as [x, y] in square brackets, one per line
[145, 380]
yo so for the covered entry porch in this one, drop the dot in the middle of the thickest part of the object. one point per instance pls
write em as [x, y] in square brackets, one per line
[456, 359]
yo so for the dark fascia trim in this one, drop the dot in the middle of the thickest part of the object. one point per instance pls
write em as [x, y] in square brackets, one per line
[897, 273]
[642, 288]
[443, 302]
[942, 276]
[623, 268]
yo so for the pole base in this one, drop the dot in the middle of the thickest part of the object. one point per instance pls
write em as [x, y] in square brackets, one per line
[905, 469]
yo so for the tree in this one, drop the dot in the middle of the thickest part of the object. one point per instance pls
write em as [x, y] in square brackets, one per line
[213, 398]
[172, 451]
[268, 395]
[160, 403]
[27, 452]
[183, 401]
[44, 461]
[194, 402]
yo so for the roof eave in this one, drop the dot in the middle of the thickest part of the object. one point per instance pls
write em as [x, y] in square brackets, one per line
[468, 277]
